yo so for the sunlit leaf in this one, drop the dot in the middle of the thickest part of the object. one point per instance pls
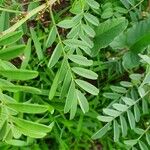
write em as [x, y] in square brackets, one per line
[87, 87]
[19, 74]
[82, 101]
[101, 132]
[85, 73]
[10, 38]
[116, 130]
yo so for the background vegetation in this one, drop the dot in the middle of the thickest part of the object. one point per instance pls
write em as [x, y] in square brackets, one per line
[74, 74]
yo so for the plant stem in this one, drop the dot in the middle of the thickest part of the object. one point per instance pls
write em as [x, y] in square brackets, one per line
[130, 107]
[27, 16]
[11, 11]
[136, 5]
[60, 40]
[145, 131]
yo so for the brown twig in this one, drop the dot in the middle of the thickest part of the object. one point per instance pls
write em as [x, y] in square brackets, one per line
[148, 7]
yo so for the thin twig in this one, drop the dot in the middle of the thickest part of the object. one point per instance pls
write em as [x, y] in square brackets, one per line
[136, 5]
[148, 7]
[11, 11]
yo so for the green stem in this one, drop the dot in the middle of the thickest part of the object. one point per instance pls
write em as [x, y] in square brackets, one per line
[130, 106]
[136, 5]
[28, 16]
[145, 131]
[11, 11]
[60, 40]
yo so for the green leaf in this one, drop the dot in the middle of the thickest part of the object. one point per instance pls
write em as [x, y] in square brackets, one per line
[106, 32]
[124, 127]
[131, 119]
[148, 138]
[145, 107]
[118, 89]
[130, 60]
[135, 76]
[136, 38]
[107, 13]
[5, 83]
[120, 107]
[8, 99]
[93, 4]
[19, 74]
[143, 145]
[3, 129]
[56, 81]
[8, 134]
[81, 60]
[145, 58]
[131, 142]
[88, 30]
[141, 91]
[87, 87]
[125, 3]
[87, 40]
[37, 44]
[10, 38]
[85, 73]
[14, 142]
[126, 84]
[73, 107]
[77, 7]
[31, 125]
[86, 50]
[112, 95]
[128, 101]
[11, 52]
[138, 131]
[28, 127]
[17, 88]
[27, 53]
[82, 101]
[66, 84]
[56, 55]
[105, 118]
[63, 70]
[70, 97]
[101, 132]
[107, 5]
[141, 43]
[58, 105]
[121, 10]
[137, 113]
[51, 37]
[73, 32]
[54, 86]
[92, 19]
[16, 133]
[74, 43]
[116, 131]
[3, 19]
[30, 133]
[77, 18]
[146, 80]
[29, 108]
[66, 24]
[111, 112]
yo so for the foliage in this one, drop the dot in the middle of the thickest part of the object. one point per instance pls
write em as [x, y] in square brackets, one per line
[74, 74]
